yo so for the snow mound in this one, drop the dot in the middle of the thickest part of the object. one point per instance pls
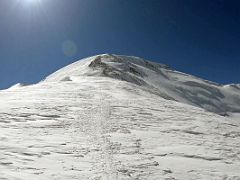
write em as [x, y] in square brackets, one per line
[156, 78]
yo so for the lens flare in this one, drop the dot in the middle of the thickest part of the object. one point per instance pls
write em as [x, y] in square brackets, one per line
[69, 48]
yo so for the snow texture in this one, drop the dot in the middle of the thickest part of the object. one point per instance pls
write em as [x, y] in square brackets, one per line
[112, 117]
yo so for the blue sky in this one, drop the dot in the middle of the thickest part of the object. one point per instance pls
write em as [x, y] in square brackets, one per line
[200, 37]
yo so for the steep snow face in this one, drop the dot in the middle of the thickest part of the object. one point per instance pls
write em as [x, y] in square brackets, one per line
[156, 78]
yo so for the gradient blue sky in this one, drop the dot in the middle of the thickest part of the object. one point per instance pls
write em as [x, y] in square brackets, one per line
[200, 37]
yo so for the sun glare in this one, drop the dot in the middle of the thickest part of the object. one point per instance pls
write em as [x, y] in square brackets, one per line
[30, 9]
[30, 2]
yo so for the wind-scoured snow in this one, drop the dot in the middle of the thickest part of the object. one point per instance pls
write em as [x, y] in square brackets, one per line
[112, 117]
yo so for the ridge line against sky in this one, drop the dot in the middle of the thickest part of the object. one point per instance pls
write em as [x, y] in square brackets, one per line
[197, 37]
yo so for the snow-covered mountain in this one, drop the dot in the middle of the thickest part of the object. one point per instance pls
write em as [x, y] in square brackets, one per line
[158, 79]
[120, 118]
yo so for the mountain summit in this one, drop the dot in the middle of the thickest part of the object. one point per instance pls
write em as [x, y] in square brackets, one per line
[156, 78]
[111, 117]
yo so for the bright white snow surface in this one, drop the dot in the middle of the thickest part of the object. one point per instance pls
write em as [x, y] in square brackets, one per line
[112, 117]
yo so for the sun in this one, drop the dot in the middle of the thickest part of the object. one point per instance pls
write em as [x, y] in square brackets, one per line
[30, 2]
[30, 9]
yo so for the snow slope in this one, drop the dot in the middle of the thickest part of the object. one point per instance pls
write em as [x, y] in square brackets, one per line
[113, 117]
[156, 78]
